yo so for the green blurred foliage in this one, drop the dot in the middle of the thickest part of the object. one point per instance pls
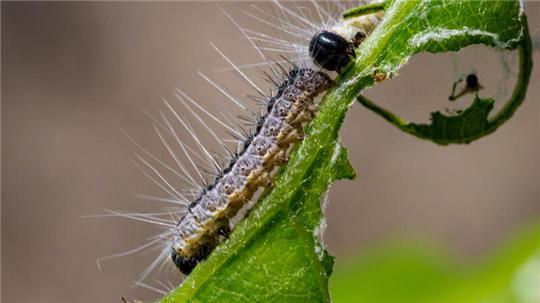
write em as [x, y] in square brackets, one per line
[416, 271]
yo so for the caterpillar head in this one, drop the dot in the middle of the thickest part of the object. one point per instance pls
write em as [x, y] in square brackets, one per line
[333, 49]
[330, 50]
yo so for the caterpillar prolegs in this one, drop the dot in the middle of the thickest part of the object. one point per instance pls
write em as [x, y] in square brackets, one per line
[207, 218]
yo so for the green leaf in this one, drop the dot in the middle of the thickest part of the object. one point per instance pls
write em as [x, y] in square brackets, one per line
[472, 123]
[365, 9]
[398, 272]
[274, 255]
[413, 271]
[501, 278]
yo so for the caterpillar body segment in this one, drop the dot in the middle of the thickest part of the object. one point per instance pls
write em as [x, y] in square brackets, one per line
[207, 220]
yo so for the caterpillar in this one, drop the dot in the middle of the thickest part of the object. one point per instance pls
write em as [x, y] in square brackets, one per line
[202, 220]
[207, 218]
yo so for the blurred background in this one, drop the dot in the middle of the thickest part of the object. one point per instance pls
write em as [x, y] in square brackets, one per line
[420, 222]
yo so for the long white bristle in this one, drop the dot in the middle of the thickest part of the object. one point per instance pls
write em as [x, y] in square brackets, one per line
[292, 28]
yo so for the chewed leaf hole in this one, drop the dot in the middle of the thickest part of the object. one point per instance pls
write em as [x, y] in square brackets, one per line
[464, 124]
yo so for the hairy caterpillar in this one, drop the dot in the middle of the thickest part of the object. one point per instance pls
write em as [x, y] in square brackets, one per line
[202, 219]
[207, 218]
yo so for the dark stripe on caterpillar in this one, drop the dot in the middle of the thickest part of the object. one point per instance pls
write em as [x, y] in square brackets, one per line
[206, 222]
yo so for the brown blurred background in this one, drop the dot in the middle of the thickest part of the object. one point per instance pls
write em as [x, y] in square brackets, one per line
[74, 74]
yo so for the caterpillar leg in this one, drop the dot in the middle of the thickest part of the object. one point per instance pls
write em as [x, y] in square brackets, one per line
[224, 231]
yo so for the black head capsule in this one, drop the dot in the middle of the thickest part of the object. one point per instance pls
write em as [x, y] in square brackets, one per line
[330, 50]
